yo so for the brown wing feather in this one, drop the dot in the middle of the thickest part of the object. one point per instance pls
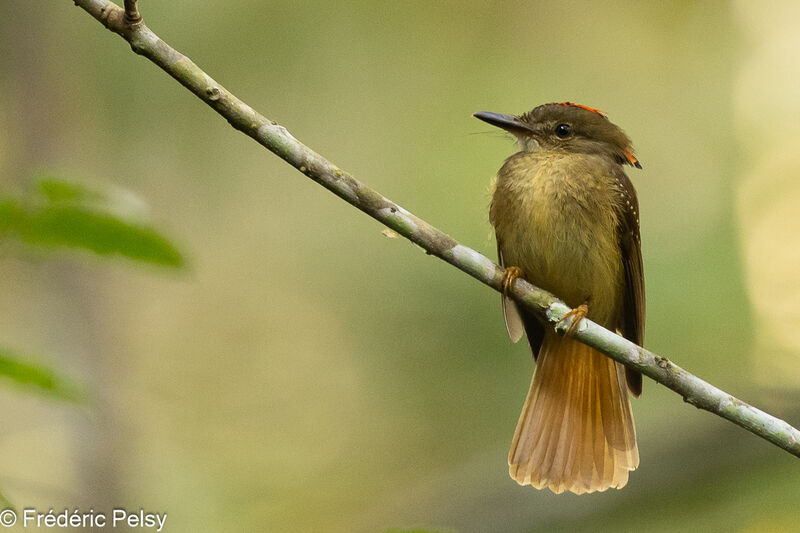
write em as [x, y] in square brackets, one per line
[511, 313]
[516, 319]
[633, 313]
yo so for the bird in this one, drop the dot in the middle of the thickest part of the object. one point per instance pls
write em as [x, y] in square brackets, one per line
[566, 219]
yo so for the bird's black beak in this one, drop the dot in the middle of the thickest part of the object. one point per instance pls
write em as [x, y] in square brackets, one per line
[509, 123]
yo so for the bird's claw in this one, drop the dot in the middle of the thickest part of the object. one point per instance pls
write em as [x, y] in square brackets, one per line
[572, 319]
[510, 274]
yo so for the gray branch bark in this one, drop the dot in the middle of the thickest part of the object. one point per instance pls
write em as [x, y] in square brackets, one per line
[277, 139]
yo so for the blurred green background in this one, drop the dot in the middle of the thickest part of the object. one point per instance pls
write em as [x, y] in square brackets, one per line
[304, 373]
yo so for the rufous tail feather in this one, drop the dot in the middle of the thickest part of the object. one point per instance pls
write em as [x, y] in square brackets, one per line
[576, 429]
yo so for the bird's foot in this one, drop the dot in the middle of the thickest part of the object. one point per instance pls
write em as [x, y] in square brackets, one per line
[570, 322]
[510, 274]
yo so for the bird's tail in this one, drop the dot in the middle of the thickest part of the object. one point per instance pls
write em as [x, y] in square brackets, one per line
[576, 429]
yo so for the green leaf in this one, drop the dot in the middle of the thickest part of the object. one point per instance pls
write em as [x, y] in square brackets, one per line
[5, 503]
[69, 215]
[41, 379]
[57, 190]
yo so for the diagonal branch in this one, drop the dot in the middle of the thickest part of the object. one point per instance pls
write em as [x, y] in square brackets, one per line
[127, 23]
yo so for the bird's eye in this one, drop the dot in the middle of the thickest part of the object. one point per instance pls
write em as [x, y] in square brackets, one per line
[563, 131]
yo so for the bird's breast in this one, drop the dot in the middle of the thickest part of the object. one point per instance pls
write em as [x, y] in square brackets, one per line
[554, 216]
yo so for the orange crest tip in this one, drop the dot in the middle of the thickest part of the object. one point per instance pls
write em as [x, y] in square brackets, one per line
[586, 107]
[632, 159]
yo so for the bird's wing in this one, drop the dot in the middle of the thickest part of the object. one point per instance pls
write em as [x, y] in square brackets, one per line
[511, 313]
[518, 321]
[633, 311]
